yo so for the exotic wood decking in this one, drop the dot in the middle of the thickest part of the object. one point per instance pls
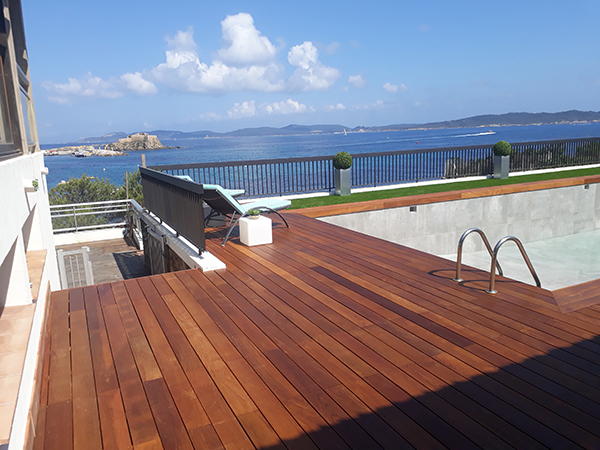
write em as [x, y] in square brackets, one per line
[325, 339]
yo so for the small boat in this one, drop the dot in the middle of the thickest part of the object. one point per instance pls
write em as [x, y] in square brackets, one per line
[80, 154]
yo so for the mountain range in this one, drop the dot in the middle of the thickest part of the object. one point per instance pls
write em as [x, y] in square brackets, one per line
[488, 120]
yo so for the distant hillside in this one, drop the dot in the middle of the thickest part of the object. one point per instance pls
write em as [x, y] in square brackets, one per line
[521, 118]
[488, 120]
[110, 137]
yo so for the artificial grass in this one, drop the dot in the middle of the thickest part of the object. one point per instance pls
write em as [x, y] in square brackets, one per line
[433, 188]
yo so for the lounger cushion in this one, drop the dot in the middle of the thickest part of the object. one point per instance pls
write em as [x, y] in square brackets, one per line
[232, 192]
[268, 203]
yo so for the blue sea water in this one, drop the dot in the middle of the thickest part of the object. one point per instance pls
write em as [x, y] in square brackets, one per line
[276, 147]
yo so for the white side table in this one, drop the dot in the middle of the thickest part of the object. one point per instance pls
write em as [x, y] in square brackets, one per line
[256, 231]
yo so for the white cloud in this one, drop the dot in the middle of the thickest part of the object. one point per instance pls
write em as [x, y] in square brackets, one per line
[288, 106]
[210, 117]
[247, 68]
[357, 81]
[242, 110]
[247, 62]
[338, 107]
[59, 100]
[88, 86]
[310, 74]
[394, 88]
[246, 45]
[332, 48]
[136, 82]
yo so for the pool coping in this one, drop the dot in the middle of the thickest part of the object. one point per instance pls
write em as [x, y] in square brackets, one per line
[422, 199]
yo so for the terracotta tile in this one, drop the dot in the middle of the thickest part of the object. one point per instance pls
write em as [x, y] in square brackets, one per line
[9, 388]
[21, 311]
[10, 343]
[15, 326]
[7, 411]
[11, 363]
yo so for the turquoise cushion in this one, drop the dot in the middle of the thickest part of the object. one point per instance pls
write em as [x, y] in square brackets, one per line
[232, 192]
[271, 203]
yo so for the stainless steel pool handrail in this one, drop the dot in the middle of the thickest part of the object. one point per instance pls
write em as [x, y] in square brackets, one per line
[501, 242]
[460, 247]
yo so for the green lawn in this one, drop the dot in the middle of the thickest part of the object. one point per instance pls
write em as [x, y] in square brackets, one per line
[429, 189]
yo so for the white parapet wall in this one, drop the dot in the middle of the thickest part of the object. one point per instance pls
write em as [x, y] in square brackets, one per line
[436, 227]
[25, 226]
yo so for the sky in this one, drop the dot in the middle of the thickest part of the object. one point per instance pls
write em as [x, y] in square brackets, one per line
[133, 65]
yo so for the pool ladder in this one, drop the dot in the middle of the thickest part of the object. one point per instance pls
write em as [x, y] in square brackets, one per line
[494, 256]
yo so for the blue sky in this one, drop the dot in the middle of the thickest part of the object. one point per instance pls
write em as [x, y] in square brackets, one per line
[133, 65]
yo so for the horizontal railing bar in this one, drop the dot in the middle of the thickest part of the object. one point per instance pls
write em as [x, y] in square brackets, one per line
[89, 227]
[90, 203]
[89, 213]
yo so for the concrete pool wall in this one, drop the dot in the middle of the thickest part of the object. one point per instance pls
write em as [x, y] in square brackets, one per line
[550, 209]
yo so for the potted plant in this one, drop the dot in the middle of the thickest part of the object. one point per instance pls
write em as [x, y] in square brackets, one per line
[342, 161]
[254, 213]
[502, 150]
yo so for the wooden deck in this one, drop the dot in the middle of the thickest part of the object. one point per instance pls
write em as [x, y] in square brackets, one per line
[325, 339]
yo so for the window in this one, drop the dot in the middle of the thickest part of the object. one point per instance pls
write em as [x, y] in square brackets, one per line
[18, 134]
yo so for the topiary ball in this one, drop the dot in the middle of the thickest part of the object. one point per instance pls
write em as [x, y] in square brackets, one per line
[342, 160]
[502, 148]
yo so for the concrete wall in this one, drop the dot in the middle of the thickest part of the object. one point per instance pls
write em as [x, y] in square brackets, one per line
[24, 225]
[437, 227]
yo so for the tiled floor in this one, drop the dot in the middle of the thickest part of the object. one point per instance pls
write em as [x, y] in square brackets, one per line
[15, 326]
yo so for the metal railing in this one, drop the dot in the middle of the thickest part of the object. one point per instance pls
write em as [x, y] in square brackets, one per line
[313, 174]
[89, 216]
[500, 243]
[461, 241]
[494, 255]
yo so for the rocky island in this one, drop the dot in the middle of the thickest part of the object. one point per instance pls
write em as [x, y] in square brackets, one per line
[82, 150]
[133, 142]
[137, 141]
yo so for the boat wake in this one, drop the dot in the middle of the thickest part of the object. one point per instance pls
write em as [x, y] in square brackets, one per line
[485, 133]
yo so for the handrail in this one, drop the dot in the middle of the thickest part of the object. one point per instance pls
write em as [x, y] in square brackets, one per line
[501, 242]
[459, 251]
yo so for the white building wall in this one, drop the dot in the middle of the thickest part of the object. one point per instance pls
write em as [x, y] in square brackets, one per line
[25, 225]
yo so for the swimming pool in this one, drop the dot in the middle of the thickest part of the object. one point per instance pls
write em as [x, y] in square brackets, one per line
[559, 261]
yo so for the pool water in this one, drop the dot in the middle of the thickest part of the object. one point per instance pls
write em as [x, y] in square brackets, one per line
[559, 262]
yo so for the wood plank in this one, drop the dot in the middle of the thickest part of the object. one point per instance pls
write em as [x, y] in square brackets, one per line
[59, 413]
[86, 421]
[139, 417]
[113, 420]
[383, 365]
[270, 407]
[184, 397]
[170, 426]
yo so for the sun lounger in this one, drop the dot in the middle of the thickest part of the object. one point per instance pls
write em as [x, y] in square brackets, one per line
[223, 203]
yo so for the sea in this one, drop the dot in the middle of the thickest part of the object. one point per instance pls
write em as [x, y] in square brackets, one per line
[62, 168]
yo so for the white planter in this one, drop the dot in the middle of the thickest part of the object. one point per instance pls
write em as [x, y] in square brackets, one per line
[501, 166]
[343, 181]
